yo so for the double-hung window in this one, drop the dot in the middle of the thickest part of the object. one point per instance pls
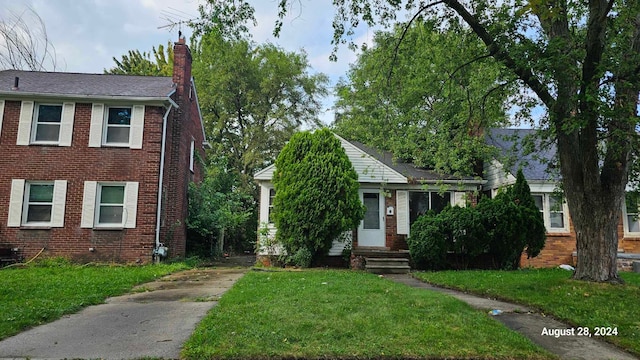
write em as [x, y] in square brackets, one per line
[117, 126]
[272, 196]
[46, 125]
[110, 205]
[553, 211]
[37, 203]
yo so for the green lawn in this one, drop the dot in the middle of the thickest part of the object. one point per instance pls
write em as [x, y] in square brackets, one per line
[347, 315]
[553, 292]
[42, 293]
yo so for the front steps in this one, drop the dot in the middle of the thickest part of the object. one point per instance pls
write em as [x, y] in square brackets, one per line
[383, 261]
[387, 265]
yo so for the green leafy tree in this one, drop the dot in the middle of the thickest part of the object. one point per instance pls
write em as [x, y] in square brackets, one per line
[413, 97]
[316, 194]
[157, 62]
[579, 60]
[253, 99]
[216, 208]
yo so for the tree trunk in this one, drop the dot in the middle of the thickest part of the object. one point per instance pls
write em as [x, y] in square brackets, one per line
[597, 239]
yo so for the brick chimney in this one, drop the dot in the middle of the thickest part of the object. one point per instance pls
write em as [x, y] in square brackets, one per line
[181, 69]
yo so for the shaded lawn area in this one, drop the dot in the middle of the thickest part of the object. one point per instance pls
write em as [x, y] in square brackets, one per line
[42, 293]
[579, 303]
[347, 315]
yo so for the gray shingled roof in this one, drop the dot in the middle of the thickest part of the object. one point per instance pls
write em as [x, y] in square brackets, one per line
[77, 84]
[511, 145]
[409, 170]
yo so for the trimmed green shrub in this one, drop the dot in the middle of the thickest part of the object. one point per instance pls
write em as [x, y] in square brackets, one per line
[492, 234]
[316, 193]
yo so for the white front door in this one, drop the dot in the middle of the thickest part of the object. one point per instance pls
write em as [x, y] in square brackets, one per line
[371, 229]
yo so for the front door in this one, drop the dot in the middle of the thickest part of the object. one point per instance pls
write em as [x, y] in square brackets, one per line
[371, 229]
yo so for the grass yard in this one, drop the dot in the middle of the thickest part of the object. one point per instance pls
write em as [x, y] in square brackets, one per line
[553, 292]
[347, 315]
[44, 292]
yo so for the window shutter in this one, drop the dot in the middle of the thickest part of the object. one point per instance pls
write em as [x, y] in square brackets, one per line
[88, 204]
[402, 209]
[264, 203]
[459, 199]
[95, 131]
[15, 203]
[1, 115]
[66, 123]
[59, 200]
[130, 204]
[24, 125]
[137, 126]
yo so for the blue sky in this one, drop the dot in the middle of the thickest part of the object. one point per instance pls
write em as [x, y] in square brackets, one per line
[87, 34]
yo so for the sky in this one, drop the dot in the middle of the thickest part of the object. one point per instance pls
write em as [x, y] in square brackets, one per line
[87, 34]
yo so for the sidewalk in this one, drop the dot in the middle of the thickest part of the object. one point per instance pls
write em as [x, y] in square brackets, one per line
[151, 323]
[531, 325]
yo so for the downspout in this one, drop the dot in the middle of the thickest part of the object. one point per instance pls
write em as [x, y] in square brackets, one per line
[165, 118]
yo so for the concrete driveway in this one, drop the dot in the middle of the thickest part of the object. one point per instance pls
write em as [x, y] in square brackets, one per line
[154, 321]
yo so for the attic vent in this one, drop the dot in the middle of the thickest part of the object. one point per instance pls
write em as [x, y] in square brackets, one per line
[16, 83]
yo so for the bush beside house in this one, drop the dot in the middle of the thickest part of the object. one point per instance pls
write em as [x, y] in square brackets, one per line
[493, 234]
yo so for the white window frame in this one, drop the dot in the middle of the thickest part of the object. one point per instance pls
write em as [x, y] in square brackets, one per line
[625, 221]
[99, 125]
[403, 200]
[91, 205]
[270, 208]
[35, 123]
[19, 203]
[546, 214]
[192, 155]
[106, 126]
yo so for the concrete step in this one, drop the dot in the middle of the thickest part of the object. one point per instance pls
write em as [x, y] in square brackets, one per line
[387, 265]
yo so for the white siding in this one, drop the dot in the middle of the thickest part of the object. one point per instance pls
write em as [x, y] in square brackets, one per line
[66, 123]
[24, 124]
[15, 203]
[368, 168]
[339, 244]
[59, 200]
[88, 204]
[137, 126]
[1, 115]
[264, 203]
[131, 204]
[95, 130]
[496, 176]
[402, 211]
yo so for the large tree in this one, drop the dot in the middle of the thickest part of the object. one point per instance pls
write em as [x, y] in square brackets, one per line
[581, 60]
[412, 94]
[157, 62]
[24, 43]
[253, 98]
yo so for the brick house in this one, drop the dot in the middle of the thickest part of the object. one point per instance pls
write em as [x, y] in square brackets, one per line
[96, 167]
[560, 247]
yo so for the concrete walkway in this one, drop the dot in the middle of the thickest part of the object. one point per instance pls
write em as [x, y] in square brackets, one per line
[531, 325]
[154, 322]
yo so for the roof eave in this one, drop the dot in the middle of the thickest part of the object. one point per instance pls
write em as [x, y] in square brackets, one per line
[146, 99]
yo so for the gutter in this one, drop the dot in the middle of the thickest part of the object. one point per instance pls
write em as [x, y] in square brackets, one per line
[156, 249]
[19, 95]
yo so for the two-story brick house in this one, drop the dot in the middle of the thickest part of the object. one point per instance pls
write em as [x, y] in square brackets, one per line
[96, 166]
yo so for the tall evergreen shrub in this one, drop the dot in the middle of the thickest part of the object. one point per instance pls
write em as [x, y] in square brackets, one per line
[316, 194]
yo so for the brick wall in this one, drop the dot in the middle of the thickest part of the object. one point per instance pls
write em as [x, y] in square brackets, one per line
[393, 241]
[77, 164]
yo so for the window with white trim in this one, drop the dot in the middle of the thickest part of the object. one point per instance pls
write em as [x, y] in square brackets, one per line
[117, 126]
[632, 206]
[272, 196]
[45, 123]
[553, 209]
[109, 205]
[47, 119]
[37, 203]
